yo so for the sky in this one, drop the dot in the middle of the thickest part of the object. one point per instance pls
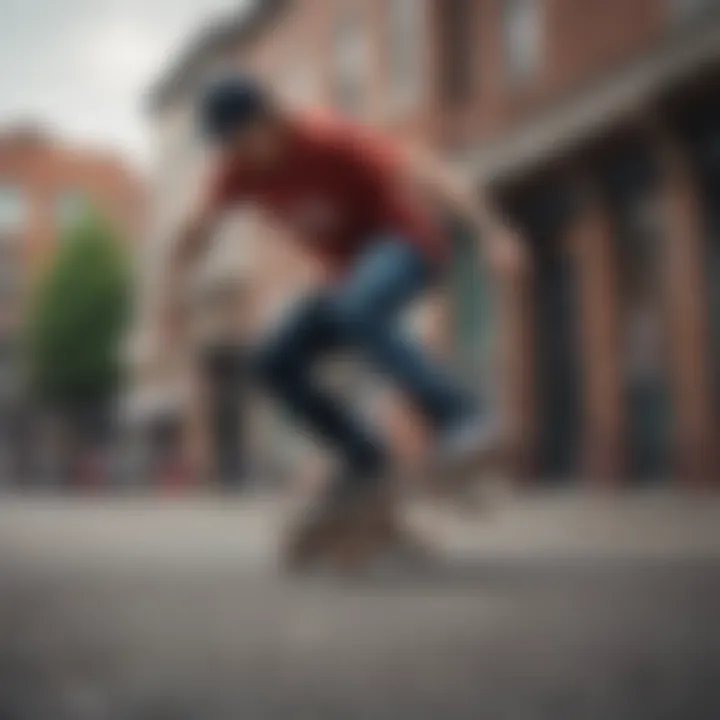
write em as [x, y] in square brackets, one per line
[80, 67]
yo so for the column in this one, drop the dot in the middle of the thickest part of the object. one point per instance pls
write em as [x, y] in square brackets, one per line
[590, 242]
[516, 371]
[694, 453]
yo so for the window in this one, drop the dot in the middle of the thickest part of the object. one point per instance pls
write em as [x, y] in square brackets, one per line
[13, 208]
[407, 41]
[69, 208]
[352, 58]
[457, 37]
[522, 38]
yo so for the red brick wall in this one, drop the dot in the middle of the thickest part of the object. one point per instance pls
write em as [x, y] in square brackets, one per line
[583, 40]
[43, 168]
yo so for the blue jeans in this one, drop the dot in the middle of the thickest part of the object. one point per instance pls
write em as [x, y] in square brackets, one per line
[361, 314]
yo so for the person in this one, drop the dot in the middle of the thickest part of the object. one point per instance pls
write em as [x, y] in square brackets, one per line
[370, 212]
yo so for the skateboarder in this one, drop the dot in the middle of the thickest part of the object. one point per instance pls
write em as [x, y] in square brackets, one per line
[370, 212]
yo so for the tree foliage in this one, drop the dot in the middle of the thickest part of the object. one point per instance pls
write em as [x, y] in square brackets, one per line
[78, 318]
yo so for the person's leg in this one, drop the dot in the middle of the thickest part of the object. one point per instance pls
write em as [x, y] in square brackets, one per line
[384, 281]
[285, 361]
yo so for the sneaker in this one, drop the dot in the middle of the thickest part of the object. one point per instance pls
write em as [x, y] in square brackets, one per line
[320, 533]
[377, 536]
[348, 529]
[327, 530]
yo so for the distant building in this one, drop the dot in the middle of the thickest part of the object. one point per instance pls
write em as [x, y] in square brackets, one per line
[44, 184]
[597, 126]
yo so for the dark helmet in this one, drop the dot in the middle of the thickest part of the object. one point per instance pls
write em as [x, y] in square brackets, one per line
[229, 103]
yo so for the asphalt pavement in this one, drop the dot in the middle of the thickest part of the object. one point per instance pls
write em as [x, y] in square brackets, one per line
[565, 607]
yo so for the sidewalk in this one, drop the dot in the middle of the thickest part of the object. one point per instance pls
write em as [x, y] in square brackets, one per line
[648, 524]
[555, 525]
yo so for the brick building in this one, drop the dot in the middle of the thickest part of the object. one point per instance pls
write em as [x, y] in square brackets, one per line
[595, 124]
[44, 183]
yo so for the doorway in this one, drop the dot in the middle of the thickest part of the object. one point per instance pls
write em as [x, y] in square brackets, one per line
[473, 314]
[556, 360]
[639, 238]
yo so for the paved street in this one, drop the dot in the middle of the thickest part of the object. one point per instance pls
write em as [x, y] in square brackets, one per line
[555, 607]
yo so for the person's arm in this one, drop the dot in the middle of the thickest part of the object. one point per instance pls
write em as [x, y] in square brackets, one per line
[500, 241]
[189, 244]
[194, 235]
[221, 187]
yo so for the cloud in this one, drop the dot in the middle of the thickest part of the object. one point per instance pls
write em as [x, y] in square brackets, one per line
[82, 65]
[120, 56]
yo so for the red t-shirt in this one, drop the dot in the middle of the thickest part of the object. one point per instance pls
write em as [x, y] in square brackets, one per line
[338, 190]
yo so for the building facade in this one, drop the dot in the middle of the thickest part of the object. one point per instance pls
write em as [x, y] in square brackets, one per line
[594, 125]
[44, 184]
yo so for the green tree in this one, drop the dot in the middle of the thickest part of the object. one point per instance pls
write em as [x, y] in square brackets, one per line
[77, 321]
